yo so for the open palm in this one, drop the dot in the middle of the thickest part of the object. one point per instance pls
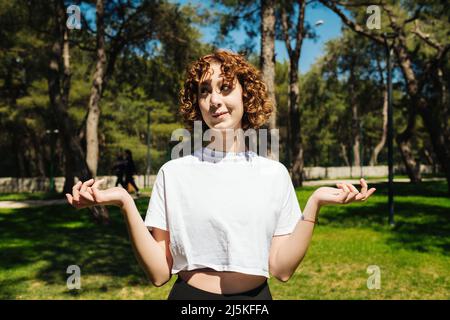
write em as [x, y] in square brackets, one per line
[344, 193]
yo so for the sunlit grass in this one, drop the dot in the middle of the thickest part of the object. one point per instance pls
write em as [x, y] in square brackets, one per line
[38, 244]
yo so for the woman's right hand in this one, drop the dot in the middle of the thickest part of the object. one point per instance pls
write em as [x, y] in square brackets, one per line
[87, 194]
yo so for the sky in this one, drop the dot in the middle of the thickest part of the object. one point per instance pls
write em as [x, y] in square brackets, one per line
[311, 49]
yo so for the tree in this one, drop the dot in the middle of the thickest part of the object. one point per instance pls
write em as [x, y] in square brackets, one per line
[254, 15]
[423, 65]
[376, 151]
[290, 32]
[267, 57]
[59, 88]
[132, 27]
[96, 92]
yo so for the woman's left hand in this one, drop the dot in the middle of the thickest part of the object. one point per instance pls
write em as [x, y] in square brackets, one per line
[345, 193]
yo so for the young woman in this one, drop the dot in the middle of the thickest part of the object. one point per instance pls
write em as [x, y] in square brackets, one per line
[224, 217]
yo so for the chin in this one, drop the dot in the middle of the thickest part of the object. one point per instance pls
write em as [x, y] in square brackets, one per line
[223, 126]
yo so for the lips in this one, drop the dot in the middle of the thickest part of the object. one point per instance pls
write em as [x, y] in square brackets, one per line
[218, 114]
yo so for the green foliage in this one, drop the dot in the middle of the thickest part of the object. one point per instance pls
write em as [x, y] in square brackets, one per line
[149, 72]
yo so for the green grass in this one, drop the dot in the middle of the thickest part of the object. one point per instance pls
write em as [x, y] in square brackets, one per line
[29, 196]
[38, 244]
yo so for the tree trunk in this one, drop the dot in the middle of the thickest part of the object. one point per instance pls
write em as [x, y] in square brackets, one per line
[267, 59]
[92, 147]
[400, 45]
[430, 160]
[404, 145]
[438, 140]
[435, 118]
[355, 117]
[430, 119]
[295, 134]
[403, 139]
[20, 157]
[59, 76]
[344, 154]
[38, 152]
[380, 145]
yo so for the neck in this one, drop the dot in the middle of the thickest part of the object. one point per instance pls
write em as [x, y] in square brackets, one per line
[232, 144]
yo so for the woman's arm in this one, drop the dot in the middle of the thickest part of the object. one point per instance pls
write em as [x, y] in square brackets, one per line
[149, 253]
[288, 251]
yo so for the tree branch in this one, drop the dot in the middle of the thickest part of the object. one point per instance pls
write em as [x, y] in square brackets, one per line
[350, 23]
[426, 37]
[300, 23]
[284, 24]
[359, 4]
[415, 16]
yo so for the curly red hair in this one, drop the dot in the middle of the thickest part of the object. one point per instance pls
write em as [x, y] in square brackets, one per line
[257, 105]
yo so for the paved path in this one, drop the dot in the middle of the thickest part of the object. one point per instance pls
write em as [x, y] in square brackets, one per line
[40, 203]
[356, 181]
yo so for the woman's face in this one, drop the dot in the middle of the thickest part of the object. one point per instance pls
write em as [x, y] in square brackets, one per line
[220, 103]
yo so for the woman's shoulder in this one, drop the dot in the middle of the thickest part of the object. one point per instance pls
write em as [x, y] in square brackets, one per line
[273, 164]
[177, 162]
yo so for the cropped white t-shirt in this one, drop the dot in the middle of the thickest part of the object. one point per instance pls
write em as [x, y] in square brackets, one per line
[222, 209]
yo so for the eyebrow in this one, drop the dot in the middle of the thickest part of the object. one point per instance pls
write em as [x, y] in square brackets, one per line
[208, 82]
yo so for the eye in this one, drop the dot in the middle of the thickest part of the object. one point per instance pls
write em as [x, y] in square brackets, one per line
[203, 90]
[225, 87]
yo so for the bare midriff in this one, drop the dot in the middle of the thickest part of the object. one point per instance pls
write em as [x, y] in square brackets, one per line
[221, 282]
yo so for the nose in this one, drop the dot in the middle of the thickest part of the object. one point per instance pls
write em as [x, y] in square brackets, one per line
[215, 100]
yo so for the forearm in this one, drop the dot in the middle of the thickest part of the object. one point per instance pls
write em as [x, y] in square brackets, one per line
[149, 253]
[292, 251]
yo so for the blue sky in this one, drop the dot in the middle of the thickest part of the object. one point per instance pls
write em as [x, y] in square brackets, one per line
[311, 50]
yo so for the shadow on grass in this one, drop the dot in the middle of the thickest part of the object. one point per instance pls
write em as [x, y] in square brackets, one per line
[420, 225]
[31, 196]
[59, 236]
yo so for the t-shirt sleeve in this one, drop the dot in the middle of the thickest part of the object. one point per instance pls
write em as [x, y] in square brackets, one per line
[290, 212]
[156, 213]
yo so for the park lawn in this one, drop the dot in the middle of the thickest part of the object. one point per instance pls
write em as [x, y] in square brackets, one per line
[30, 196]
[38, 244]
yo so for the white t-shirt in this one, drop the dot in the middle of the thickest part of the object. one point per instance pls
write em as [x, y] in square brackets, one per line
[222, 209]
